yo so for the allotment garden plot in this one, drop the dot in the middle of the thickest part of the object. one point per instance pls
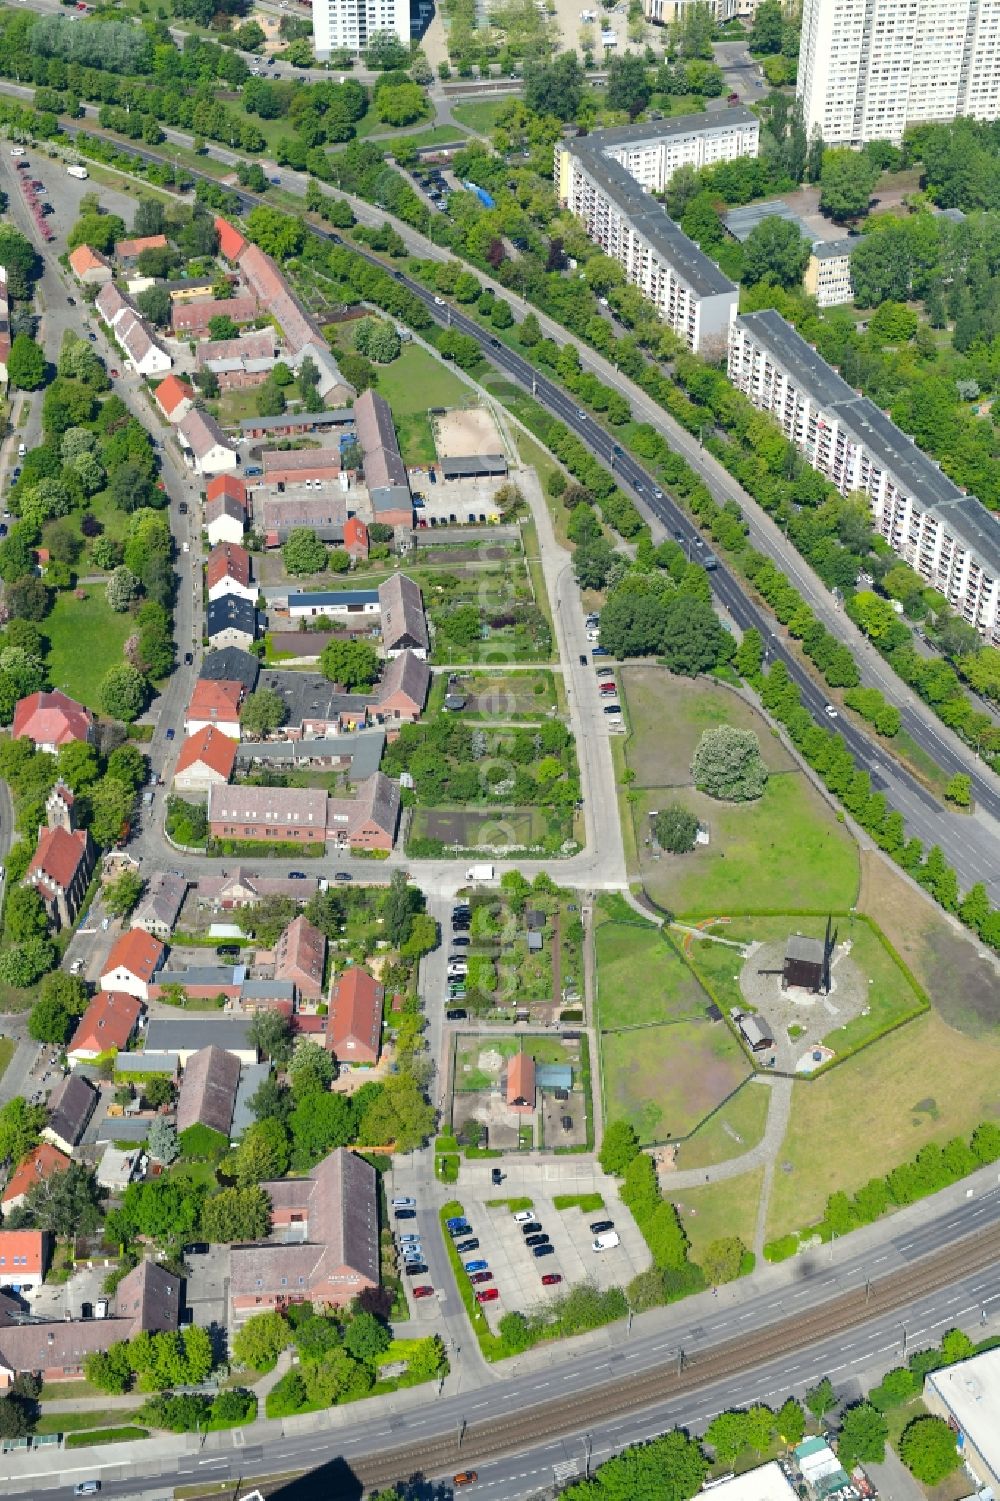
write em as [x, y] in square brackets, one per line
[666, 1063]
[520, 1093]
[785, 851]
[487, 789]
[525, 958]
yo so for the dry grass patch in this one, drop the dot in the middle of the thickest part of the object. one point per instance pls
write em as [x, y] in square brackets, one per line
[926, 1082]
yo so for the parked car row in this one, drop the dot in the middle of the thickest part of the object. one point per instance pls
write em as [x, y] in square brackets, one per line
[411, 1249]
[478, 1269]
[458, 962]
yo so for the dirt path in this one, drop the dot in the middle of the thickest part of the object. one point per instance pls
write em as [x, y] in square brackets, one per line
[556, 963]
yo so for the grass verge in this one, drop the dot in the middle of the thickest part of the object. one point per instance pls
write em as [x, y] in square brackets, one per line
[586, 1203]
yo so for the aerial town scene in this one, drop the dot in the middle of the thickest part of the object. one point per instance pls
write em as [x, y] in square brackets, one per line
[500, 750]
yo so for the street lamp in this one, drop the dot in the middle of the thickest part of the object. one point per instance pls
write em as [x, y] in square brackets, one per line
[588, 1446]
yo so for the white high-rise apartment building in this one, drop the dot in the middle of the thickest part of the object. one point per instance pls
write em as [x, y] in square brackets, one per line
[870, 68]
[946, 536]
[607, 180]
[352, 23]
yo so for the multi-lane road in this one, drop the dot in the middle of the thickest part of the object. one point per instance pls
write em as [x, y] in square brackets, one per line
[970, 845]
[849, 1311]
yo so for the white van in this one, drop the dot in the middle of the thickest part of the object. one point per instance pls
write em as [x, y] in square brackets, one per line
[607, 1241]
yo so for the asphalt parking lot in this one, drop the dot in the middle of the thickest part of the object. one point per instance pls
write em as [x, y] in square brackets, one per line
[517, 1273]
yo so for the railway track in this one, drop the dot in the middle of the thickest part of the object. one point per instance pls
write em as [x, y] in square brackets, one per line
[683, 1372]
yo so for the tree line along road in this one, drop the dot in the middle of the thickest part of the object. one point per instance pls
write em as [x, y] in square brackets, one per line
[969, 845]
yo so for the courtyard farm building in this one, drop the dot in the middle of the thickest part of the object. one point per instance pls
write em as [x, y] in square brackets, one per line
[404, 625]
[307, 816]
[606, 179]
[160, 905]
[147, 1299]
[70, 1106]
[210, 450]
[208, 1091]
[323, 1247]
[946, 536]
[225, 519]
[299, 956]
[231, 620]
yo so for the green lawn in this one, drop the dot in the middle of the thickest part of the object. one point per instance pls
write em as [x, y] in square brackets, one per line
[743, 1116]
[411, 385]
[7, 1049]
[720, 1209]
[86, 639]
[642, 979]
[667, 1079]
[435, 135]
[786, 851]
[78, 1422]
[480, 114]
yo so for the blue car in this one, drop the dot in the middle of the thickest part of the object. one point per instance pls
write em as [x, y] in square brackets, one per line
[476, 1266]
[453, 1224]
[598, 651]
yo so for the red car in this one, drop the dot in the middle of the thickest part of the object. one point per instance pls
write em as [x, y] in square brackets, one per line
[423, 1292]
[478, 1277]
[608, 688]
[487, 1295]
[551, 1278]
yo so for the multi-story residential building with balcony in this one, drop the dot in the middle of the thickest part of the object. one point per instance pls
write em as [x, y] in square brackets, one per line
[946, 536]
[868, 69]
[607, 179]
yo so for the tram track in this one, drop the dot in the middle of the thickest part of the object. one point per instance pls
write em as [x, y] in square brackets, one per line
[684, 1371]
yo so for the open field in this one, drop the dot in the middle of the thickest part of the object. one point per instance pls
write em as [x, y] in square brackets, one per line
[479, 114]
[926, 1082]
[719, 1209]
[743, 1116]
[784, 850]
[961, 981]
[86, 639]
[470, 430]
[666, 1079]
[642, 979]
[668, 715]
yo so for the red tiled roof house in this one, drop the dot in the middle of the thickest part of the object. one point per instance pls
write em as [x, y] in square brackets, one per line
[107, 1024]
[50, 720]
[520, 1095]
[175, 398]
[206, 759]
[299, 956]
[354, 1020]
[133, 961]
[40, 1163]
[24, 1255]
